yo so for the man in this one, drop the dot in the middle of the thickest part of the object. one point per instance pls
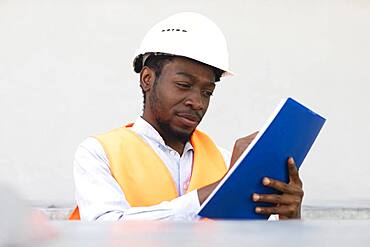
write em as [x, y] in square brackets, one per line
[161, 166]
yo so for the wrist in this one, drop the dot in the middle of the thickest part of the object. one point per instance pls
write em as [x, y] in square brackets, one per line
[205, 191]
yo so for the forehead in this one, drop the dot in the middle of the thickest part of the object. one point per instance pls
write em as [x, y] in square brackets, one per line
[182, 66]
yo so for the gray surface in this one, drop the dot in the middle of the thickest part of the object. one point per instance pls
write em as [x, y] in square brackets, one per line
[335, 213]
[308, 212]
[214, 233]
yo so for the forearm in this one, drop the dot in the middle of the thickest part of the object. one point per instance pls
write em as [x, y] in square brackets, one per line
[182, 208]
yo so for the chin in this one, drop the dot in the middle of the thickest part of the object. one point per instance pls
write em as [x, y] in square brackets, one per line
[178, 132]
[183, 133]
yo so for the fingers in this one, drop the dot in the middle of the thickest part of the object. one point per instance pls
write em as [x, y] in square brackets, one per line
[239, 147]
[253, 135]
[244, 142]
[288, 211]
[293, 172]
[276, 199]
[287, 204]
[283, 187]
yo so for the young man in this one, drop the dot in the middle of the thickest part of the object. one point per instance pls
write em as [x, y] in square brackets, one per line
[161, 166]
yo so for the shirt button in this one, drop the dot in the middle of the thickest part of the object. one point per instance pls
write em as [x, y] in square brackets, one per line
[186, 185]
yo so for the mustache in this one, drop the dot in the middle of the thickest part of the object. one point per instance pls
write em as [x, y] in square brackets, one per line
[190, 114]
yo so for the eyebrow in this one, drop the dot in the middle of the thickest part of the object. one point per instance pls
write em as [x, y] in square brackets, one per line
[190, 76]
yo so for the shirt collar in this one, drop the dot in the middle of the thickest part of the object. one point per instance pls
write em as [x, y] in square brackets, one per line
[143, 128]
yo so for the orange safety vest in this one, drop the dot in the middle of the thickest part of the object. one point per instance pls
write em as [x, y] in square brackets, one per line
[142, 175]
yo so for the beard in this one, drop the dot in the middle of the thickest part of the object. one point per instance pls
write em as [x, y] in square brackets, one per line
[155, 105]
[179, 135]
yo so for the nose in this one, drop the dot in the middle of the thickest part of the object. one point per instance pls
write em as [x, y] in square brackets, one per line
[195, 100]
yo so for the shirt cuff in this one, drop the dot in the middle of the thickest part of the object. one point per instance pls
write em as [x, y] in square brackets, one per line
[186, 206]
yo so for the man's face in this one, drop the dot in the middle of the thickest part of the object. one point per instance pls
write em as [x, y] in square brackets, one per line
[180, 97]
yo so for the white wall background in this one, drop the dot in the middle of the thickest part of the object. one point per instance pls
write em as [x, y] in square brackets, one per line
[65, 73]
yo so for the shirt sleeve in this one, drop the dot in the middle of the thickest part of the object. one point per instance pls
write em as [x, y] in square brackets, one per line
[100, 198]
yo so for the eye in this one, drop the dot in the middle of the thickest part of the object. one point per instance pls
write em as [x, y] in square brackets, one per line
[208, 93]
[184, 85]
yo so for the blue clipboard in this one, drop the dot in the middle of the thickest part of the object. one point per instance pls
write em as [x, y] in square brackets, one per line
[290, 131]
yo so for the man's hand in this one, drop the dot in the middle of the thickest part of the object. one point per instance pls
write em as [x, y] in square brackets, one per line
[239, 147]
[288, 204]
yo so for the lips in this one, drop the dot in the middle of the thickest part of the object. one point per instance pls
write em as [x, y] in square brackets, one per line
[189, 119]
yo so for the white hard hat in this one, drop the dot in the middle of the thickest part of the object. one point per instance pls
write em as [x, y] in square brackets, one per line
[190, 35]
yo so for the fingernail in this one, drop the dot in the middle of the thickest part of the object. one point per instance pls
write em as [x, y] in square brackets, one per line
[266, 181]
[291, 160]
[256, 197]
[258, 210]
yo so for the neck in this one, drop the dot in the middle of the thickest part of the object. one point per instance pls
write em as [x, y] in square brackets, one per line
[175, 144]
[172, 141]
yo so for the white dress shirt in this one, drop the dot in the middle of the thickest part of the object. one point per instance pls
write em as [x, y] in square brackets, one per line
[99, 197]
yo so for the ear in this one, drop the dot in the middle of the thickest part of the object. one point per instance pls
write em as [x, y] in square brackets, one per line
[147, 78]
